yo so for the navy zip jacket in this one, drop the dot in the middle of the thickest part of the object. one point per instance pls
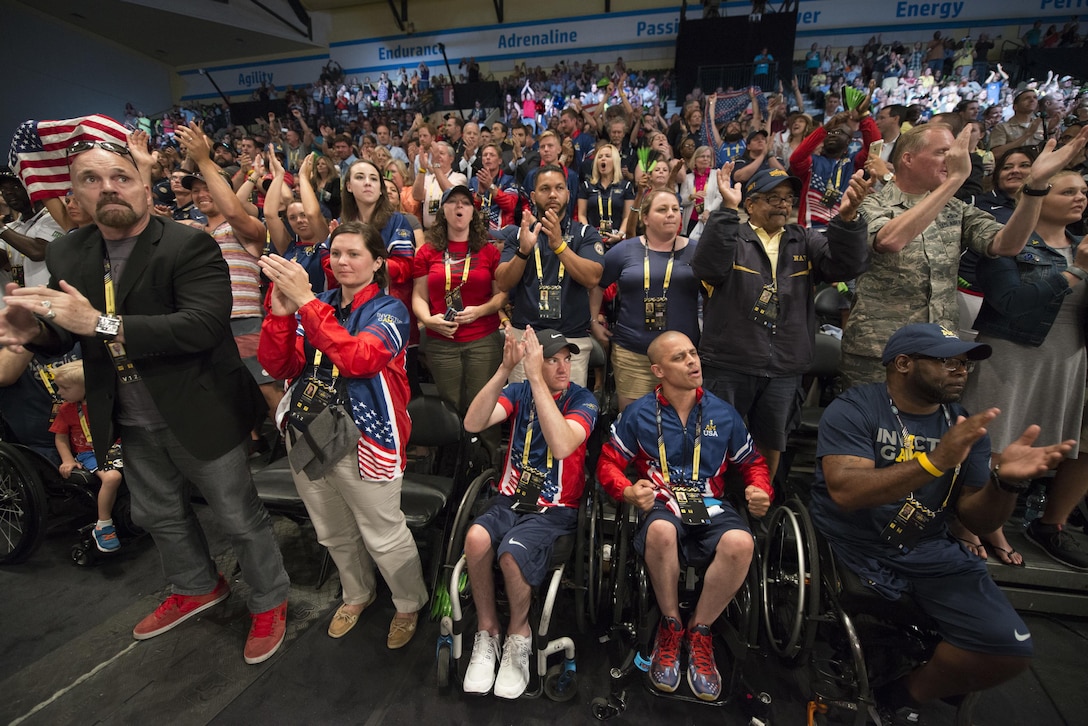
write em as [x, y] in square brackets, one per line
[731, 260]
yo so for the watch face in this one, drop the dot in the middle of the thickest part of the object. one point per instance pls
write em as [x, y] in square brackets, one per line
[108, 326]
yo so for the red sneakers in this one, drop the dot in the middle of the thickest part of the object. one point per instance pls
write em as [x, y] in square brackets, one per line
[176, 609]
[266, 634]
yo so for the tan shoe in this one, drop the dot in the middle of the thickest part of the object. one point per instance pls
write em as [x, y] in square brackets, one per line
[401, 630]
[343, 621]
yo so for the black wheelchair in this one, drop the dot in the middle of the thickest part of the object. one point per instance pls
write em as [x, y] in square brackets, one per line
[629, 603]
[842, 638]
[32, 492]
[573, 567]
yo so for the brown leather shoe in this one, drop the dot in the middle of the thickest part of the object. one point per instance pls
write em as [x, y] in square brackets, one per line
[401, 630]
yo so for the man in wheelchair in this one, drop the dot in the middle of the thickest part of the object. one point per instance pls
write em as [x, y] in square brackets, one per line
[682, 440]
[893, 459]
[541, 487]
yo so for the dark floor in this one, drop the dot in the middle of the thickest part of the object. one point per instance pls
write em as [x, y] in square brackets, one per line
[67, 656]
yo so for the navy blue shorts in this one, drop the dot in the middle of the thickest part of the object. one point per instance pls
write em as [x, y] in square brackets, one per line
[528, 538]
[954, 588]
[697, 543]
[770, 406]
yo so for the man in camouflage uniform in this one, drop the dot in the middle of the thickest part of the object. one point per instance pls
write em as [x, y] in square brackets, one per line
[917, 230]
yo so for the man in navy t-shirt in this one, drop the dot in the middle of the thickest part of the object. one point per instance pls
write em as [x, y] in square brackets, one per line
[895, 459]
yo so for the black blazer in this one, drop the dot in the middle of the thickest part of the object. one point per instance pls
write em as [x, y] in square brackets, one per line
[175, 298]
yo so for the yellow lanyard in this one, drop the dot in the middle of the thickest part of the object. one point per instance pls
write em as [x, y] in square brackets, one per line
[83, 422]
[600, 204]
[540, 266]
[528, 441]
[646, 268]
[46, 381]
[317, 364]
[447, 260]
[695, 452]
[107, 282]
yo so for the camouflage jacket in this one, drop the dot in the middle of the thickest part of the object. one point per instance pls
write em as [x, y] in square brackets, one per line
[918, 283]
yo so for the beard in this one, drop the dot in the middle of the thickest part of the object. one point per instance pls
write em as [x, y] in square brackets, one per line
[734, 137]
[115, 218]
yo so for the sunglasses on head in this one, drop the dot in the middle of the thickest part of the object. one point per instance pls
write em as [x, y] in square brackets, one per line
[80, 146]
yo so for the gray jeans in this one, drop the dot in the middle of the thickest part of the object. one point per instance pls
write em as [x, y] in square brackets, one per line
[157, 468]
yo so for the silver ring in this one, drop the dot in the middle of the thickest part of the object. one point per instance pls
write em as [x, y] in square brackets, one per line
[46, 304]
[50, 315]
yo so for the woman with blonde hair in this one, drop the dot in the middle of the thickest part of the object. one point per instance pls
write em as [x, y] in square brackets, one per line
[699, 194]
[402, 175]
[786, 141]
[605, 198]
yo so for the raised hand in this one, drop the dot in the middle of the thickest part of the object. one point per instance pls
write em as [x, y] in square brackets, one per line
[732, 194]
[859, 188]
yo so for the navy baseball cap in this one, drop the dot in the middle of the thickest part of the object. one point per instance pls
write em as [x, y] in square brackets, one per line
[552, 341]
[768, 179]
[933, 340]
[457, 189]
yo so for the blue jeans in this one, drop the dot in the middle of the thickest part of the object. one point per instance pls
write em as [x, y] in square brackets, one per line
[157, 468]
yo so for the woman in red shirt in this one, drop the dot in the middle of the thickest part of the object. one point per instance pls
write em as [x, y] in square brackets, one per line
[457, 300]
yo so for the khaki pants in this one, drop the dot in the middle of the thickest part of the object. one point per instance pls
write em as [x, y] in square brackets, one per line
[361, 524]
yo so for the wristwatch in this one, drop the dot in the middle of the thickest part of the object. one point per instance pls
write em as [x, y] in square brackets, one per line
[1028, 191]
[1012, 487]
[108, 327]
[887, 178]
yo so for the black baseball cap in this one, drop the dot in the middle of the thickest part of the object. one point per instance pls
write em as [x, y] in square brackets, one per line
[552, 341]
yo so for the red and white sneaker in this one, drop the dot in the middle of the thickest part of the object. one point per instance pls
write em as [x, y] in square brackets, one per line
[176, 609]
[266, 634]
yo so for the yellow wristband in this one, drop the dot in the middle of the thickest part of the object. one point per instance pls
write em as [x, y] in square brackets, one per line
[560, 249]
[923, 459]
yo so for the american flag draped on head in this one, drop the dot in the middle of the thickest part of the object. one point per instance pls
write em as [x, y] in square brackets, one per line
[38, 151]
[727, 106]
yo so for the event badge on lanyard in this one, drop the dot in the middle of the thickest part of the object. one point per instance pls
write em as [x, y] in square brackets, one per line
[655, 307]
[688, 494]
[532, 481]
[912, 519]
[125, 370]
[550, 305]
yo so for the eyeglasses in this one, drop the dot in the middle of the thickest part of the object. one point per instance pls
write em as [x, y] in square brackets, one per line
[949, 364]
[80, 146]
[776, 200]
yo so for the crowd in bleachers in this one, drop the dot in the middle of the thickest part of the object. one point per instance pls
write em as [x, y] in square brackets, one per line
[567, 208]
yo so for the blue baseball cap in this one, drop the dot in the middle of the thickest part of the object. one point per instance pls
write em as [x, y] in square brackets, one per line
[933, 340]
[768, 179]
[457, 189]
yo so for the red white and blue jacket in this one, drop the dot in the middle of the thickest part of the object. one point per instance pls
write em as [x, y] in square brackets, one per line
[368, 350]
[566, 478]
[725, 442]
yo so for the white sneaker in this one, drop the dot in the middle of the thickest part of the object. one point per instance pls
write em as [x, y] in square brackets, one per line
[514, 670]
[481, 667]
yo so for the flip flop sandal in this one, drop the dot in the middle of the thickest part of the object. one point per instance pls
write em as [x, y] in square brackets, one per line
[1008, 553]
[976, 548]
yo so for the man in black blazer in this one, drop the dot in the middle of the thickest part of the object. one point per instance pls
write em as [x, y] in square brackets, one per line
[149, 300]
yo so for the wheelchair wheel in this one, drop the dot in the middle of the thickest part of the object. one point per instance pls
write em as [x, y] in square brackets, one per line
[479, 486]
[587, 560]
[560, 684]
[791, 581]
[445, 665]
[619, 582]
[22, 506]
